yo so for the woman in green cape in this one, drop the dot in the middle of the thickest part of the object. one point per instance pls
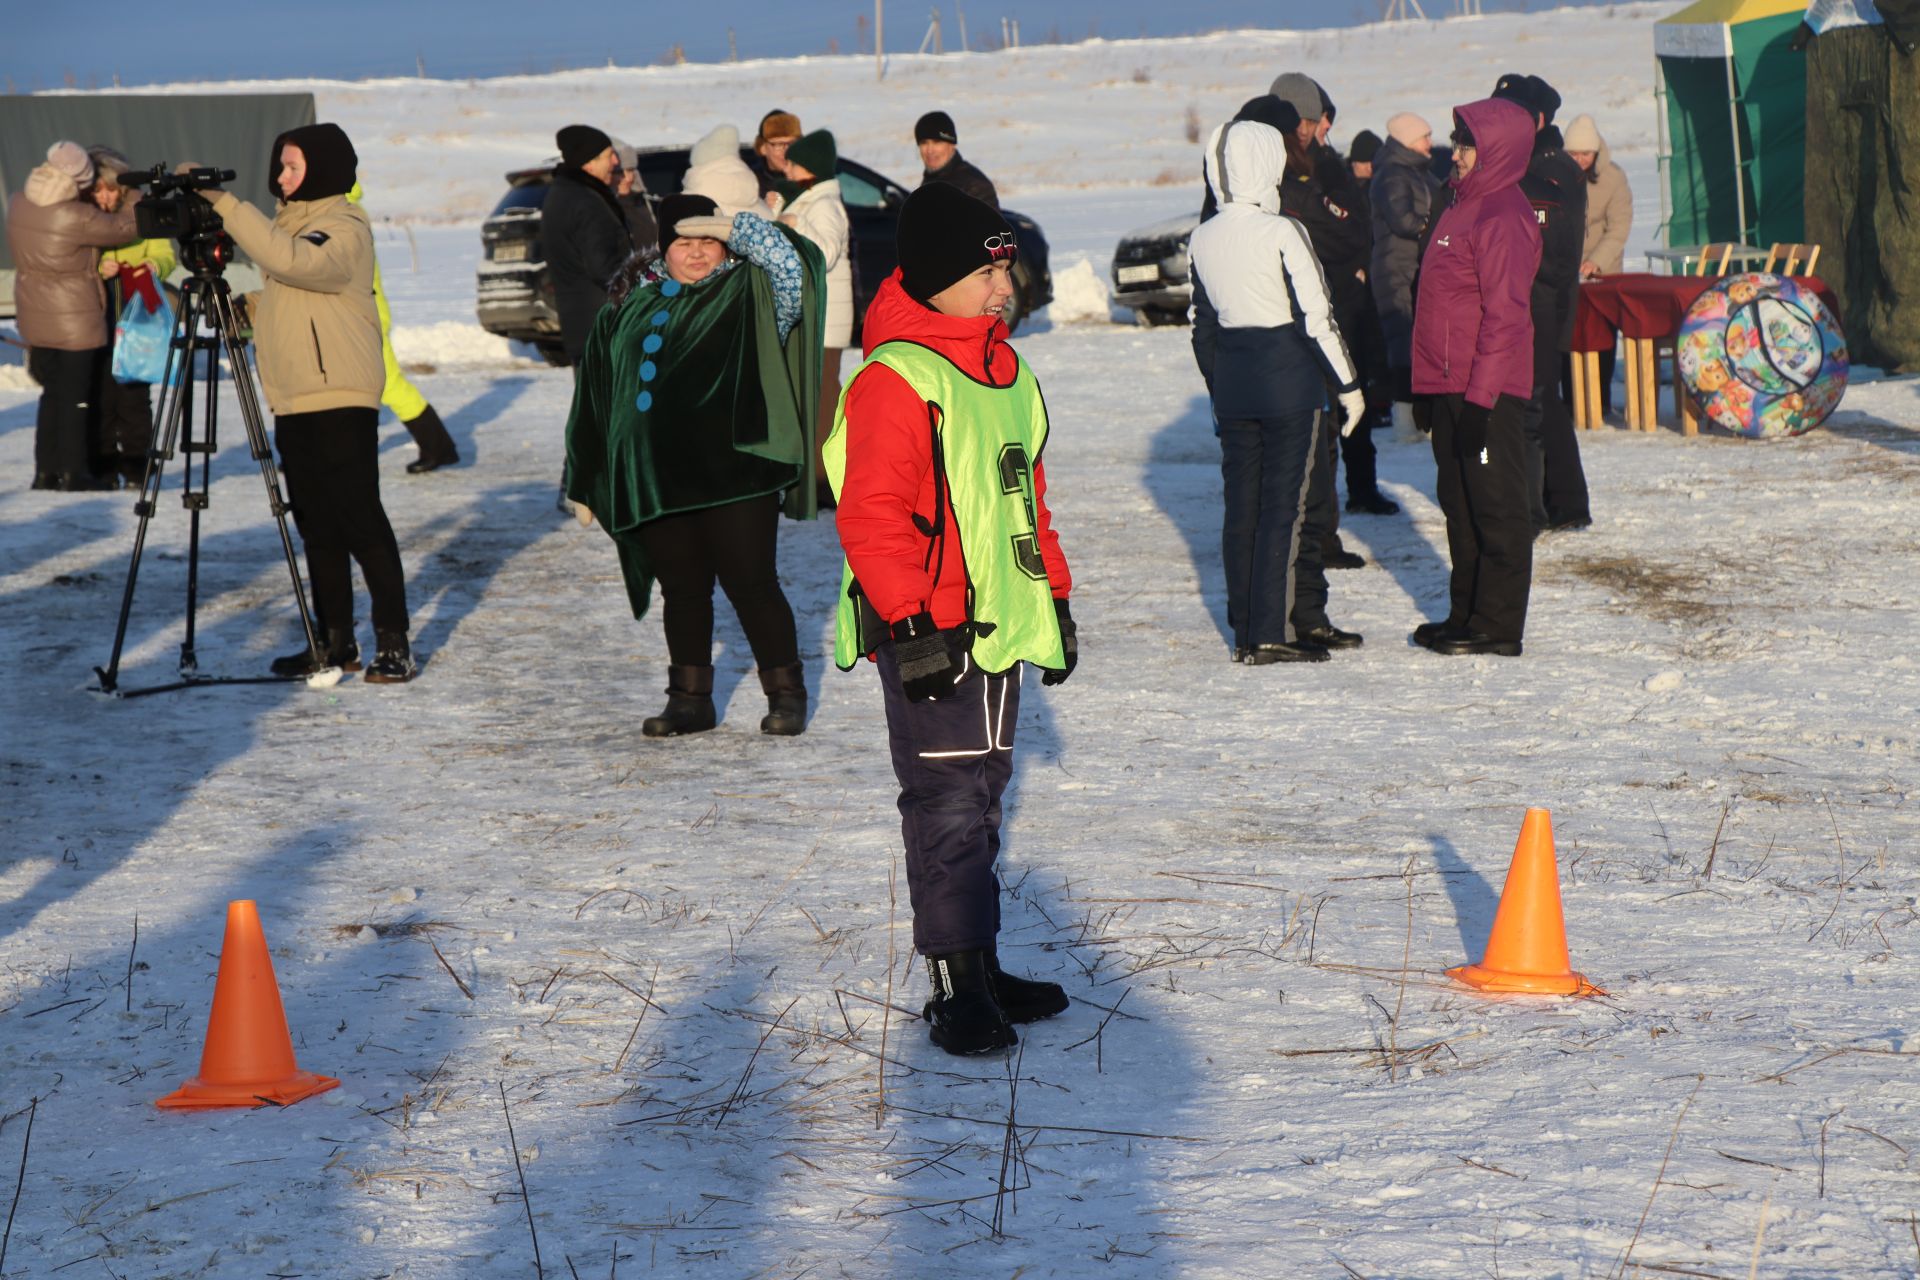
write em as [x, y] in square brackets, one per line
[692, 416]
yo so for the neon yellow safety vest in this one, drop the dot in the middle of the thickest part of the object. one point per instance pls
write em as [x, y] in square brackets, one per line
[986, 440]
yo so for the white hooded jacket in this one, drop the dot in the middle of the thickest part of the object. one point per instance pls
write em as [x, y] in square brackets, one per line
[1256, 264]
[820, 215]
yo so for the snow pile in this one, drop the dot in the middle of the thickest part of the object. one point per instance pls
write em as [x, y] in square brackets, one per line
[1080, 296]
[450, 342]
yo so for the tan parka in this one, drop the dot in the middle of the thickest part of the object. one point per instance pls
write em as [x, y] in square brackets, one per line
[316, 330]
[56, 238]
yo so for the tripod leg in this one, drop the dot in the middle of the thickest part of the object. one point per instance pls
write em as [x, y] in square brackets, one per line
[228, 326]
[193, 496]
[176, 408]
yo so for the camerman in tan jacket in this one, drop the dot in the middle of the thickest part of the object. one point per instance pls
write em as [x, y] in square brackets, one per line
[317, 335]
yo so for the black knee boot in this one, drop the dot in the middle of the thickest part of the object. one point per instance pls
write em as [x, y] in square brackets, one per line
[689, 704]
[964, 1017]
[786, 690]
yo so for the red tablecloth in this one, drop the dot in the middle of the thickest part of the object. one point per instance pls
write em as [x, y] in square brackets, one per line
[1650, 306]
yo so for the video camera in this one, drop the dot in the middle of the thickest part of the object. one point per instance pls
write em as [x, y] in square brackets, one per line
[174, 209]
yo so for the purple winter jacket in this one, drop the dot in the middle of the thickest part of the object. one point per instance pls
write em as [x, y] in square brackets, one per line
[1472, 323]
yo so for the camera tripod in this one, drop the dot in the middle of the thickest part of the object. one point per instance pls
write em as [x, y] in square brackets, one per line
[206, 326]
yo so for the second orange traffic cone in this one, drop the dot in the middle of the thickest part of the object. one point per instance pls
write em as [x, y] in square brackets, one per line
[248, 1056]
[1527, 951]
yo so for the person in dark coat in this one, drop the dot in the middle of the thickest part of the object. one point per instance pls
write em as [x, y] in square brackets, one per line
[1473, 356]
[1557, 190]
[583, 231]
[1401, 197]
[939, 144]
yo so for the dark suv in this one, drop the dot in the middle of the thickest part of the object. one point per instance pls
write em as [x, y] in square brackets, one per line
[515, 297]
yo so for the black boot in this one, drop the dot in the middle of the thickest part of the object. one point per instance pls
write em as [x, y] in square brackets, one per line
[689, 704]
[392, 659]
[342, 652]
[786, 690]
[963, 1017]
[1023, 999]
[436, 446]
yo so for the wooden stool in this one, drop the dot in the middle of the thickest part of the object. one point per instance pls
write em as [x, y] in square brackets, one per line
[1586, 391]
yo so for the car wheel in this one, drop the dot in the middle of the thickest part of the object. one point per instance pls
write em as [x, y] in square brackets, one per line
[1154, 317]
[1015, 309]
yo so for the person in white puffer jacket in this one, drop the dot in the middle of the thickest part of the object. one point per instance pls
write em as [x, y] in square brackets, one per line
[809, 202]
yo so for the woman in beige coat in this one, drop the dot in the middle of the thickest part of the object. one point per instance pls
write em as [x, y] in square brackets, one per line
[1609, 220]
[56, 237]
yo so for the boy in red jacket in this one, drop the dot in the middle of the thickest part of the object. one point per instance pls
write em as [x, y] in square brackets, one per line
[954, 580]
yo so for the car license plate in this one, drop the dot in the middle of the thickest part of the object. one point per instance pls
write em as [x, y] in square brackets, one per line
[1134, 275]
[510, 251]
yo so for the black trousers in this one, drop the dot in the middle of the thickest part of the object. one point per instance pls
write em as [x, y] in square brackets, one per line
[1556, 481]
[126, 426]
[735, 542]
[67, 427]
[953, 757]
[331, 463]
[1359, 322]
[1483, 491]
[1269, 542]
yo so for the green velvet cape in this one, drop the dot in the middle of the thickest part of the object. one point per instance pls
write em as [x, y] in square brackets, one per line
[731, 409]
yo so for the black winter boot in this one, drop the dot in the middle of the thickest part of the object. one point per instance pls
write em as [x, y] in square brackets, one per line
[963, 1017]
[786, 690]
[689, 704]
[1023, 999]
[392, 659]
[436, 446]
[342, 652]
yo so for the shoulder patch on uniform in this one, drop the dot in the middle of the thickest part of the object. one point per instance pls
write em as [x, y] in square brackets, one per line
[315, 237]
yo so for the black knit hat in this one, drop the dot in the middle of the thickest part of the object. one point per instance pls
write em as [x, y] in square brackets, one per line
[1269, 110]
[580, 143]
[684, 207]
[1517, 89]
[1366, 145]
[816, 153]
[935, 126]
[945, 234]
[331, 162]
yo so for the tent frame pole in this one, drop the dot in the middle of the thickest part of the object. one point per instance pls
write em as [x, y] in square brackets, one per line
[1663, 150]
[1739, 165]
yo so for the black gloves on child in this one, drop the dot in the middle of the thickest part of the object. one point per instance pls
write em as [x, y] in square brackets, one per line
[1069, 645]
[929, 667]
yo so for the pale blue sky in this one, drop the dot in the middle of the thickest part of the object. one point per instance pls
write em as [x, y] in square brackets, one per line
[152, 41]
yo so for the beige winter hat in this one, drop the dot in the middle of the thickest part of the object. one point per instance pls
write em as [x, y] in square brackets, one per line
[1582, 135]
[718, 172]
[1408, 128]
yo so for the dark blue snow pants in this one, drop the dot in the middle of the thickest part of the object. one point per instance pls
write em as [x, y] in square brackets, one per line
[1270, 537]
[953, 757]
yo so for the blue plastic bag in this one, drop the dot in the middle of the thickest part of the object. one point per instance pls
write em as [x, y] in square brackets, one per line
[140, 341]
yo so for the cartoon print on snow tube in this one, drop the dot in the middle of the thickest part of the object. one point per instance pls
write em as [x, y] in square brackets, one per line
[1763, 356]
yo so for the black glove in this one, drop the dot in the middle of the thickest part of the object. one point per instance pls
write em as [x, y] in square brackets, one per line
[1068, 645]
[1470, 429]
[929, 667]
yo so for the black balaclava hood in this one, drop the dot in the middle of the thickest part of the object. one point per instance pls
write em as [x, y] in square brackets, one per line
[331, 162]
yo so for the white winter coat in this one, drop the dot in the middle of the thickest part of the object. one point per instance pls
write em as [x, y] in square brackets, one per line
[1250, 256]
[820, 215]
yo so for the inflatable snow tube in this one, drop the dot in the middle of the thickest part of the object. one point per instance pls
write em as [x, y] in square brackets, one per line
[1763, 356]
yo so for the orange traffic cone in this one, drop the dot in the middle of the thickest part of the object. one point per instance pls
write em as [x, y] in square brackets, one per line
[248, 1056]
[1528, 948]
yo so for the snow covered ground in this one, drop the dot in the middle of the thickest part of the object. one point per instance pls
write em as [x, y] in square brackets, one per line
[674, 956]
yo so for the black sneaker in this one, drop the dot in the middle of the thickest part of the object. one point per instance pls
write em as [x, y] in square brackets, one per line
[1023, 999]
[1328, 636]
[1298, 651]
[1373, 504]
[342, 652]
[1473, 642]
[392, 659]
[963, 1017]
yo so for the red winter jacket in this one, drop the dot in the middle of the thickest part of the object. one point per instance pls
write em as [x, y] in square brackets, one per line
[1473, 321]
[886, 498]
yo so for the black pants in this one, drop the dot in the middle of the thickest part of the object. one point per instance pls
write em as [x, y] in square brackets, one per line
[331, 463]
[736, 543]
[1359, 322]
[953, 757]
[67, 428]
[1556, 482]
[1483, 491]
[1270, 540]
[126, 426]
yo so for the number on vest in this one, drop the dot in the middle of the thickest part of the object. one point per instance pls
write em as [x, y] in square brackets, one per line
[1016, 477]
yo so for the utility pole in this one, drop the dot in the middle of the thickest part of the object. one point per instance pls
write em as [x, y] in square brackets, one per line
[960, 14]
[933, 36]
[879, 39]
[733, 50]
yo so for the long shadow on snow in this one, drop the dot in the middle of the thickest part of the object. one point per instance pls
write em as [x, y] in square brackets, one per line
[1474, 900]
[480, 539]
[1183, 475]
[499, 396]
[1417, 563]
[67, 522]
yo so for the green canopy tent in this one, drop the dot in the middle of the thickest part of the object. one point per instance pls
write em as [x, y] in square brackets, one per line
[1734, 95]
